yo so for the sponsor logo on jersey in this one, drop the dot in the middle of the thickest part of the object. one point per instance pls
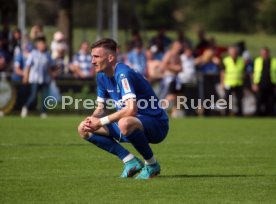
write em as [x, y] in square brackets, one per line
[125, 85]
[122, 76]
[110, 91]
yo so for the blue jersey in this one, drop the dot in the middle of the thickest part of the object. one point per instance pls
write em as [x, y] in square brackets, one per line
[126, 84]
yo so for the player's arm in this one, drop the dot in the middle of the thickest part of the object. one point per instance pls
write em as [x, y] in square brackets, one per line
[99, 111]
[130, 109]
[95, 123]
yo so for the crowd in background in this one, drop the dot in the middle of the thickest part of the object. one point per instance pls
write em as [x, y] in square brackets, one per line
[175, 67]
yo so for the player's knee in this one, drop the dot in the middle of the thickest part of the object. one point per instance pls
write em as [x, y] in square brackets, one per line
[83, 134]
[125, 126]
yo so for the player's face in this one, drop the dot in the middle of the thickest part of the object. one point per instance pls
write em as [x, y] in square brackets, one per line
[100, 59]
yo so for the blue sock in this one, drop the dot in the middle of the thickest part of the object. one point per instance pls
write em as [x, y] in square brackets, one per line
[141, 144]
[108, 144]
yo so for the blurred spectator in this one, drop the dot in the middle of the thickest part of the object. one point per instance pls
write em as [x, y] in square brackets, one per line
[186, 78]
[22, 90]
[61, 62]
[264, 82]
[27, 43]
[58, 43]
[157, 50]
[154, 71]
[209, 63]
[161, 40]
[38, 74]
[2, 62]
[81, 66]
[135, 38]
[245, 54]
[6, 36]
[232, 77]
[16, 42]
[171, 64]
[19, 65]
[183, 39]
[188, 72]
[137, 58]
[3, 57]
[202, 44]
[218, 50]
[209, 67]
[36, 31]
[121, 56]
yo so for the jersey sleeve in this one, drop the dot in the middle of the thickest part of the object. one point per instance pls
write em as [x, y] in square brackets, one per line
[102, 94]
[126, 83]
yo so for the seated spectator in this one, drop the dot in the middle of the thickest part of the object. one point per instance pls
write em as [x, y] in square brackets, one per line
[81, 66]
[137, 58]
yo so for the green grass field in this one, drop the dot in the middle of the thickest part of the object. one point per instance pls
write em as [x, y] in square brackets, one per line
[215, 160]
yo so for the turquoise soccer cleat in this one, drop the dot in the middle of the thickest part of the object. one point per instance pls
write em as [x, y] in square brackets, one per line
[132, 167]
[149, 171]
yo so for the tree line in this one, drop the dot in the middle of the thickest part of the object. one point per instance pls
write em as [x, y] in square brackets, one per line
[245, 16]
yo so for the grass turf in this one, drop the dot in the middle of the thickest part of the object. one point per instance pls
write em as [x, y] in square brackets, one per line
[214, 160]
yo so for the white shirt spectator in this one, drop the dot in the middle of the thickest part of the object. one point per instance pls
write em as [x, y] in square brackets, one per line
[40, 64]
[188, 73]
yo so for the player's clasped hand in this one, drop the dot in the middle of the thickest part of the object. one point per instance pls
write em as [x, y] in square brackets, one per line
[91, 124]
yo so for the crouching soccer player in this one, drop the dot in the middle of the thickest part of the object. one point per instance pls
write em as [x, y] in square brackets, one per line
[131, 123]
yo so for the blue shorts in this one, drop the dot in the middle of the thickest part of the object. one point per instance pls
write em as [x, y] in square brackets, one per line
[155, 130]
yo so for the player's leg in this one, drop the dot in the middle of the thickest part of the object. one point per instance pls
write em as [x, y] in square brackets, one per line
[104, 139]
[133, 129]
